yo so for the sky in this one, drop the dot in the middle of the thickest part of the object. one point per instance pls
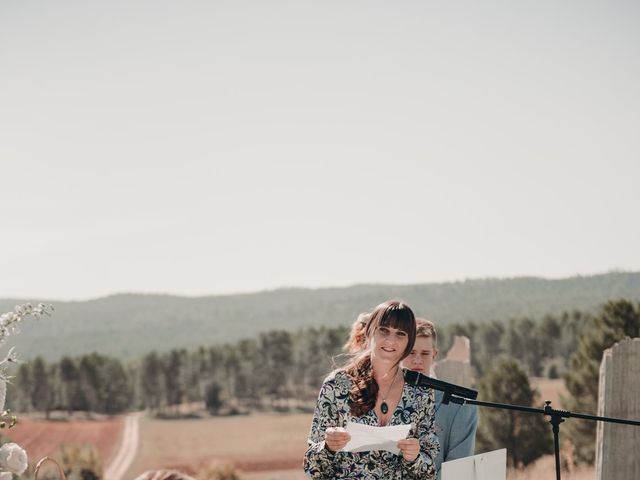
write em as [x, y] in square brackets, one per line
[215, 147]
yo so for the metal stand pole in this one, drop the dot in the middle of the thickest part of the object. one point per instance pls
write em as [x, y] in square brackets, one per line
[555, 421]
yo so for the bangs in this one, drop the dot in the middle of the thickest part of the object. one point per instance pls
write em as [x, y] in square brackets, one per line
[400, 318]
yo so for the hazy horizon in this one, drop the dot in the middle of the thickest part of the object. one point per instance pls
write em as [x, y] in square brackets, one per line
[230, 147]
[318, 287]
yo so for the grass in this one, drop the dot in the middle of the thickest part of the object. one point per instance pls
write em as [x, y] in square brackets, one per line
[271, 446]
[544, 468]
[253, 443]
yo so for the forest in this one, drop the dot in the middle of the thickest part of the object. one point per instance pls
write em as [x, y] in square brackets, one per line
[282, 370]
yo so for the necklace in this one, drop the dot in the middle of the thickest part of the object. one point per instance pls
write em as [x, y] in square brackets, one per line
[384, 408]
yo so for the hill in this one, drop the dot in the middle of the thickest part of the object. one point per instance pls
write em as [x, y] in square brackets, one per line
[129, 325]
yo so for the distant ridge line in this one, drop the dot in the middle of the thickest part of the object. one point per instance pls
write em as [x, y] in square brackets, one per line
[480, 280]
[128, 325]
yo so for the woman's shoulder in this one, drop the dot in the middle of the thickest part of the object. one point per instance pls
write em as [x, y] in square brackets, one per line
[338, 380]
[338, 376]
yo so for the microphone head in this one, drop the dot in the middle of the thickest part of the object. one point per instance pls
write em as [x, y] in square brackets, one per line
[417, 378]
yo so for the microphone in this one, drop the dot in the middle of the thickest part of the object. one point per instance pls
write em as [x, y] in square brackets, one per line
[421, 380]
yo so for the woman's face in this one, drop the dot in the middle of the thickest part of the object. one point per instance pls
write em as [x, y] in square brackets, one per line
[389, 343]
[422, 356]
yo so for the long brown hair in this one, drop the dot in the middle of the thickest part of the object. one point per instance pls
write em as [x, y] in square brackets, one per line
[364, 388]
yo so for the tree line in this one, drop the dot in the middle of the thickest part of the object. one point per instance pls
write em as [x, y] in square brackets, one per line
[280, 365]
[273, 365]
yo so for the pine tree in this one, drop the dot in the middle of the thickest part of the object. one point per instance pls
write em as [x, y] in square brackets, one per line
[24, 383]
[174, 377]
[276, 351]
[213, 397]
[117, 392]
[70, 379]
[487, 345]
[91, 382]
[526, 436]
[152, 382]
[41, 390]
[617, 320]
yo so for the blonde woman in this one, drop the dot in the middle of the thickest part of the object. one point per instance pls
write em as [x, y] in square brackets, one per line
[356, 340]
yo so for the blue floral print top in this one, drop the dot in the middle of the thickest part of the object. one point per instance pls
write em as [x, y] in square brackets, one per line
[416, 407]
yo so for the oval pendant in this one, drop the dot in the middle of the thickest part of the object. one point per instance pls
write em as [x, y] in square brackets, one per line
[384, 408]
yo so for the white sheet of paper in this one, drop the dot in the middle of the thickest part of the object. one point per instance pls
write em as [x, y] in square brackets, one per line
[365, 438]
[486, 466]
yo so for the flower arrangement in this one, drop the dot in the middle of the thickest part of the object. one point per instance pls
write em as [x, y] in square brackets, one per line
[13, 458]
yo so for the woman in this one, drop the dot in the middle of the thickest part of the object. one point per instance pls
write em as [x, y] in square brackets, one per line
[370, 390]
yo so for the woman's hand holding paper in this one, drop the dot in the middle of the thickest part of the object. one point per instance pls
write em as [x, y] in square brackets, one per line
[410, 448]
[336, 438]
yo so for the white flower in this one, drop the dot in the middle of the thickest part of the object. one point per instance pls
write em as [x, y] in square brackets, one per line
[13, 458]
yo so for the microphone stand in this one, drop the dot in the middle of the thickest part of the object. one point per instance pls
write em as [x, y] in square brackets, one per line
[462, 395]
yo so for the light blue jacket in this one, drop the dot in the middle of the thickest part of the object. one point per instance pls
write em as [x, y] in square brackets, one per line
[456, 429]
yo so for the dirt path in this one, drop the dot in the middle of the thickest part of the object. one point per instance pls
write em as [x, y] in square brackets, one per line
[128, 448]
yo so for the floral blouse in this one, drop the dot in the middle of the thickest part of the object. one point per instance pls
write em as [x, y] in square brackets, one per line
[416, 407]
